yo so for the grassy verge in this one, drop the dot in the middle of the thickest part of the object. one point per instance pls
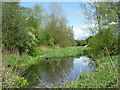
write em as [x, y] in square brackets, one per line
[106, 75]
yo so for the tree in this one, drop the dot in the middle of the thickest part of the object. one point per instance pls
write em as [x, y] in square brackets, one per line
[105, 16]
[16, 34]
[57, 26]
[34, 19]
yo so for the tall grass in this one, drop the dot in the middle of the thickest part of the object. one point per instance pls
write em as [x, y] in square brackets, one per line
[106, 75]
[12, 77]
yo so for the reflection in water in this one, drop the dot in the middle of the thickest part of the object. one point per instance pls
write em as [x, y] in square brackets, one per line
[56, 72]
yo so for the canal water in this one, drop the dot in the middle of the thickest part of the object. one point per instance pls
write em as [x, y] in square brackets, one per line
[59, 71]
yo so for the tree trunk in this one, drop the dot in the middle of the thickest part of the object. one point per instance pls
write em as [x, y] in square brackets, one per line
[20, 50]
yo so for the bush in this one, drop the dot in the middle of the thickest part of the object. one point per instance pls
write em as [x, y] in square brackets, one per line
[103, 42]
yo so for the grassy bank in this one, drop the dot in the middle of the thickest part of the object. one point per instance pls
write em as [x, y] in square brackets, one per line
[26, 60]
[15, 65]
[106, 75]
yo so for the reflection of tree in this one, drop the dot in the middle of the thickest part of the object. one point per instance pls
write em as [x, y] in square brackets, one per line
[90, 63]
[52, 71]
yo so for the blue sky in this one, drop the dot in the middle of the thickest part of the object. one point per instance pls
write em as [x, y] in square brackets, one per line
[74, 16]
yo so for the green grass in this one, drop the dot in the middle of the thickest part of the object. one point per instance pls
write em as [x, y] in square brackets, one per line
[106, 75]
[26, 60]
[64, 52]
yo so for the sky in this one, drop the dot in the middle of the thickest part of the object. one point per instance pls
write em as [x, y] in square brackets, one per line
[74, 15]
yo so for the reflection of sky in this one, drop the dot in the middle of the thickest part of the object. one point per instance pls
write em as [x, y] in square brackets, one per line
[80, 65]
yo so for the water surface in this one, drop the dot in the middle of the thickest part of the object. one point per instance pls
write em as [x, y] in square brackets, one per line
[59, 71]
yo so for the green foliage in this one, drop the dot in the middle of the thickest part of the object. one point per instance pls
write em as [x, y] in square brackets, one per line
[106, 75]
[104, 43]
[46, 38]
[34, 18]
[12, 79]
[105, 15]
[16, 33]
[80, 42]
[57, 26]
[25, 28]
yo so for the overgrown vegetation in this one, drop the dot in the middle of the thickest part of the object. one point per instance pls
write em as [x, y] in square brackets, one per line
[105, 32]
[104, 45]
[12, 76]
[24, 29]
[106, 75]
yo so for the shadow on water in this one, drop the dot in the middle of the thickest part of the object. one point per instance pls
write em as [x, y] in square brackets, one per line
[57, 72]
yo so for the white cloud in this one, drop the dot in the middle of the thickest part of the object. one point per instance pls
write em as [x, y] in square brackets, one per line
[82, 60]
[80, 32]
